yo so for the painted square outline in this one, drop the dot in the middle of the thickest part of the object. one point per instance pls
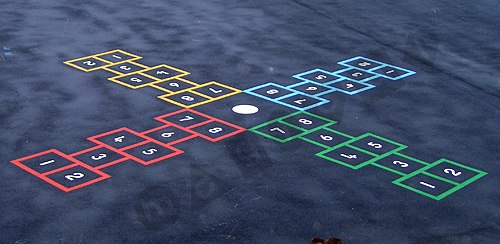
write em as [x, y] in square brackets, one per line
[121, 160]
[121, 74]
[238, 130]
[400, 155]
[189, 90]
[234, 90]
[457, 187]
[160, 118]
[154, 85]
[374, 75]
[330, 89]
[70, 62]
[368, 86]
[103, 176]
[187, 138]
[322, 101]
[134, 57]
[408, 72]
[43, 176]
[120, 151]
[176, 152]
[114, 78]
[329, 122]
[299, 76]
[346, 144]
[344, 63]
[327, 129]
[250, 91]
[400, 146]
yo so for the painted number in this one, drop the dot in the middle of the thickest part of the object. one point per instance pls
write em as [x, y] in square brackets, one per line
[135, 79]
[215, 130]
[364, 64]
[300, 101]
[119, 139]
[326, 137]
[312, 88]
[47, 162]
[272, 91]
[116, 56]
[167, 134]
[305, 121]
[186, 118]
[402, 164]
[150, 151]
[357, 74]
[125, 67]
[350, 156]
[187, 98]
[390, 71]
[215, 91]
[74, 176]
[320, 77]
[174, 84]
[101, 156]
[427, 184]
[278, 129]
[452, 172]
[89, 63]
[161, 72]
[375, 145]
[349, 85]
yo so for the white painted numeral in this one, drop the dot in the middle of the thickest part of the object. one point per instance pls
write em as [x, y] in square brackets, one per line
[350, 156]
[215, 130]
[74, 176]
[320, 77]
[188, 98]
[150, 151]
[47, 162]
[326, 137]
[89, 63]
[116, 56]
[349, 85]
[272, 91]
[125, 67]
[312, 88]
[278, 129]
[174, 84]
[161, 72]
[390, 71]
[364, 64]
[167, 134]
[402, 164]
[305, 121]
[452, 172]
[186, 118]
[215, 91]
[427, 184]
[357, 74]
[119, 139]
[375, 145]
[101, 156]
[300, 101]
[135, 79]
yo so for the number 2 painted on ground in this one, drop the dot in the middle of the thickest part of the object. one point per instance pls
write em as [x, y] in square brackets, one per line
[74, 176]
[452, 172]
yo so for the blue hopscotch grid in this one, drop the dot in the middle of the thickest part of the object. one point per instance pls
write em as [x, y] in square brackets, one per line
[292, 93]
[380, 65]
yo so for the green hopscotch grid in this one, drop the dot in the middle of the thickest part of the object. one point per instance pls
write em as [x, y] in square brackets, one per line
[457, 187]
[396, 151]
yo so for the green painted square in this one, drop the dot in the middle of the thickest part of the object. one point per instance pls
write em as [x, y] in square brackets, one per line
[453, 171]
[309, 122]
[377, 144]
[277, 131]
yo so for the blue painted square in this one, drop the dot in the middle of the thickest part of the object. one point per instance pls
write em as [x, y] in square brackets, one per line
[317, 75]
[351, 87]
[302, 101]
[393, 72]
[354, 74]
[270, 91]
[312, 88]
[363, 63]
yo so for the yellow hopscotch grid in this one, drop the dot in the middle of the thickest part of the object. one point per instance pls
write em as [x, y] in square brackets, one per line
[191, 90]
[141, 72]
[96, 56]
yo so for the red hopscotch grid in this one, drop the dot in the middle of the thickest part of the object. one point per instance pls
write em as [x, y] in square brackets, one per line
[161, 117]
[121, 160]
[147, 140]
[173, 142]
[18, 162]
